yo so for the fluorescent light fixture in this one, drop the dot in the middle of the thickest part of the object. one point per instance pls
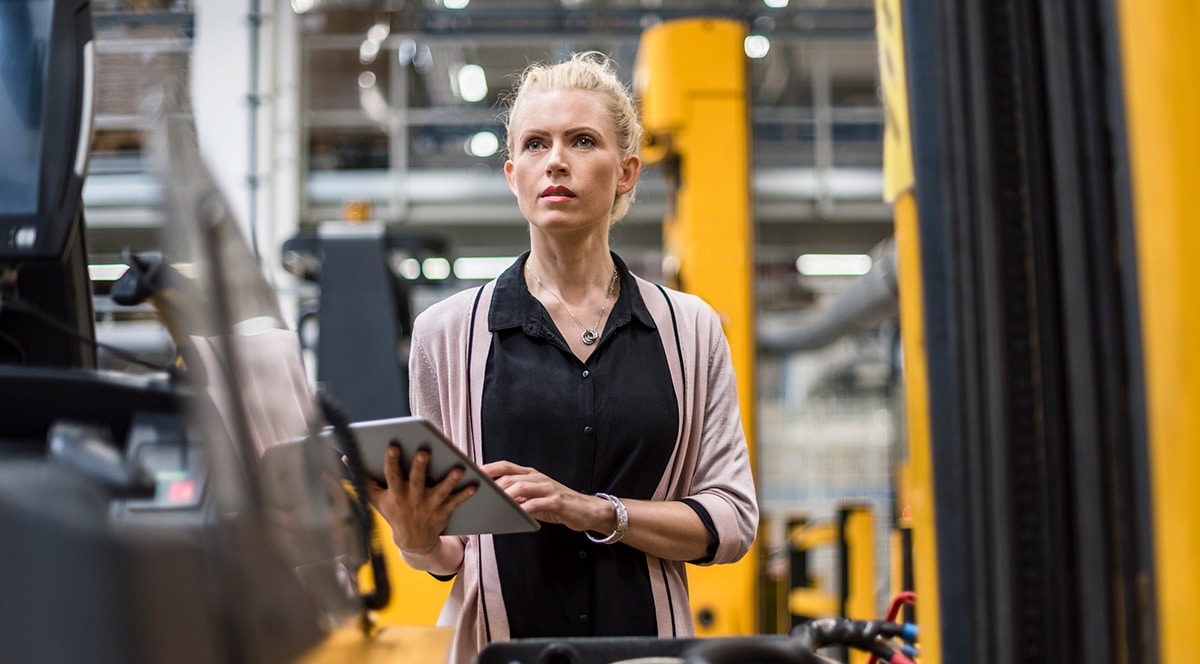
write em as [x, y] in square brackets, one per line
[406, 51]
[472, 83]
[368, 51]
[483, 144]
[455, 4]
[776, 4]
[481, 267]
[410, 268]
[757, 46]
[379, 32]
[436, 269]
[106, 272]
[370, 98]
[833, 265]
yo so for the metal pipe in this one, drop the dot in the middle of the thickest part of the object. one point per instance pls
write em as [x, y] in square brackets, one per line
[869, 301]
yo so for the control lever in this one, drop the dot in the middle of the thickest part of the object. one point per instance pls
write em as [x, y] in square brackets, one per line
[90, 451]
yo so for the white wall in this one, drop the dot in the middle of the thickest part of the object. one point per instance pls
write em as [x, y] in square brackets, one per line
[223, 60]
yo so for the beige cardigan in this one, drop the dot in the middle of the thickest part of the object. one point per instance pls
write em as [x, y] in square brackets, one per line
[710, 463]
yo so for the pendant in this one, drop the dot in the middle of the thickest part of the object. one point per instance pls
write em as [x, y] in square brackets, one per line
[590, 337]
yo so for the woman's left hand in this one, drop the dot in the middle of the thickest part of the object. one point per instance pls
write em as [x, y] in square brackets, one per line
[547, 500]
[668, 529]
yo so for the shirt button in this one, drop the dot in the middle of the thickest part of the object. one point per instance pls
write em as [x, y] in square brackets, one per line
[583, 619]
[587, 431]
[583, 555]
[586, 373]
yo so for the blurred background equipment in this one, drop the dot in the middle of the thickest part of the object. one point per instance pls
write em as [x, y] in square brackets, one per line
[140, 524]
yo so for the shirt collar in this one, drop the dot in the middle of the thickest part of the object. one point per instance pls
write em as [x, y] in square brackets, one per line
[514, 306]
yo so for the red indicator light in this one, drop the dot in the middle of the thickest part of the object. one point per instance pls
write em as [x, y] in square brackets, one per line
[181, 491]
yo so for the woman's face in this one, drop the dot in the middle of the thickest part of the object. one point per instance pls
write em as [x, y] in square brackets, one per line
[566, 167]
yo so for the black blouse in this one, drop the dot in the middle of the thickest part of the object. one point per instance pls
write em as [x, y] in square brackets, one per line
[605, 425]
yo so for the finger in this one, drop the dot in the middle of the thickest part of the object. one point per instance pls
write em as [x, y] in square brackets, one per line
[391, 467]
[515, 487]
[416, 475]
[500, 468]
[444, 488]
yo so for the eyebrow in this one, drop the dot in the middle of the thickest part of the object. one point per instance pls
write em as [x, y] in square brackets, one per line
[582, 129]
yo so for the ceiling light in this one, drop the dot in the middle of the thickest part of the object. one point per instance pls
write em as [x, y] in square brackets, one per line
[410, 268]
[455, 4]
[483, 144]
[366, 80]
[436, 269]
[472, 83]
[379, 32]
[107, 272]
[776, 4]
[367, 51]
[481, 267]
[757, 46]
[407, 51]
[833, 265]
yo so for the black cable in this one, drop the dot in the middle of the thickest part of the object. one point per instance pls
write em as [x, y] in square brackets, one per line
[17, 304]
[865, 635]
[340, 421]
[840, 631]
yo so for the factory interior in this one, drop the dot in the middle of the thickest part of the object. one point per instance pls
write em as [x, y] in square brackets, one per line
[947, 241]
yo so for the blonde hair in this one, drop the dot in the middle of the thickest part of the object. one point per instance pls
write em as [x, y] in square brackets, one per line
[595, 72]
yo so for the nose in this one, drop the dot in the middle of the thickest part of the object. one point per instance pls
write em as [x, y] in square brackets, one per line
[556, 161]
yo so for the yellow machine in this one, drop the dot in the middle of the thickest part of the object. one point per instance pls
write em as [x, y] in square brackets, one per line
[1162, 105]
[691, 80]
[1044, 217]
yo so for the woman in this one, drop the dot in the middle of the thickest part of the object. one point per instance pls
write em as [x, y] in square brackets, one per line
[604, 405]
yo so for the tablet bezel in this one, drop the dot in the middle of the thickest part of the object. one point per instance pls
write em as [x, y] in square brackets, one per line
[490, 510]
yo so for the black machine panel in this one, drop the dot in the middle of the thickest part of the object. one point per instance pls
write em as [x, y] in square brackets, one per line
[45, 110]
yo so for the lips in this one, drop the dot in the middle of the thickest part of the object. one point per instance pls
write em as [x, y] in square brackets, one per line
[557, 192]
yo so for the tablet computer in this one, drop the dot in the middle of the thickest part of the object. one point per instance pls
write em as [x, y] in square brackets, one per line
[490, 510]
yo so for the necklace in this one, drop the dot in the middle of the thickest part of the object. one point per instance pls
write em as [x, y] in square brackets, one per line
[590, 335]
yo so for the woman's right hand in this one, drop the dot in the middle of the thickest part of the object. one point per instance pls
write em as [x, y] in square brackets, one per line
[416, 513]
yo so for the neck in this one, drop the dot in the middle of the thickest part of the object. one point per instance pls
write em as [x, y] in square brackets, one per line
[573, 275]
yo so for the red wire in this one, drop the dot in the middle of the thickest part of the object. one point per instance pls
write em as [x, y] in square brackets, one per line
[906, 597]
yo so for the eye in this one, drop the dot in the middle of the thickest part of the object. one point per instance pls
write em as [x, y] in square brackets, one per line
[533, 144]
[585, 142]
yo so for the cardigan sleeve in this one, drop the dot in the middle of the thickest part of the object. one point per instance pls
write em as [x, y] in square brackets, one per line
[723, 481]
[425, 398]
[423, 394]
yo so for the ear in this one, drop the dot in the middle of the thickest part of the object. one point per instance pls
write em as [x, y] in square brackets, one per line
[630, 172]
[508, 175]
